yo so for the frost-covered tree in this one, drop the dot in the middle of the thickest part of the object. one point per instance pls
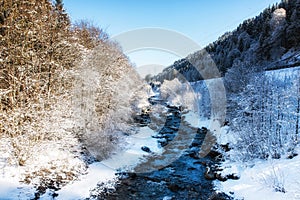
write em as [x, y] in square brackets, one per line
[89, 35]
[59, 85]
[104, 89]
[266, 119]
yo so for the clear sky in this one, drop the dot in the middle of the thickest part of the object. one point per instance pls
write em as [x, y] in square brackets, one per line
[203, 21]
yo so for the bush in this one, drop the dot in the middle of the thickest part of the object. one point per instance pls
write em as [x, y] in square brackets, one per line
[178, 94]
[105, 86]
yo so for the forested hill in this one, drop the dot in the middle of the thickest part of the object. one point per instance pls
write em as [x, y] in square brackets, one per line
[270, 40]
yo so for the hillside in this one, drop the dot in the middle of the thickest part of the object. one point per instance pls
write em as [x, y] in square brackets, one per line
[258, 43]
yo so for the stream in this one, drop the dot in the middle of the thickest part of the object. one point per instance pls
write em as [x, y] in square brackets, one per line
[177, 173]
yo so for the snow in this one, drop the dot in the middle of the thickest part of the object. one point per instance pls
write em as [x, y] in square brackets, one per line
[193, 119]
[133, 154]
[226, 136]
[259, 180]
[49, 159]
[97, 172]
[104, 171]
[11, 189]
[283, 73]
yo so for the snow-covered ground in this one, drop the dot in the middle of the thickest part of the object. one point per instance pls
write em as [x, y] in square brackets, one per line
[12, 189]
[98, 172]
[268, 180]
[277, 179]
[80, 189]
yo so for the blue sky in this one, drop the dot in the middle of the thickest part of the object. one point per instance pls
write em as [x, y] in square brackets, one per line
[203, 21]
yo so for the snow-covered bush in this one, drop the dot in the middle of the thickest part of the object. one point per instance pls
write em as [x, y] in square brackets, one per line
[275, 179]
[37, 54]
[41, 143]
[105, 87]
[140, 98]
[178, 94]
